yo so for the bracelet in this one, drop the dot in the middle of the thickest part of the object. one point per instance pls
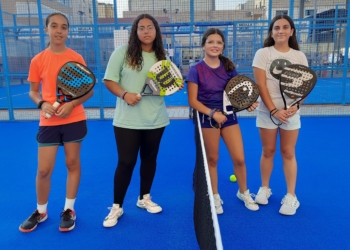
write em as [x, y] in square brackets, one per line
[274, 112]
[40, 104]
[124, 95]
[212, 111]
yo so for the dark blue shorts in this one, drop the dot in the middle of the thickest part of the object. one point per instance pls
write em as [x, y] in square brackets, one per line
[205, 122]
[61, 134]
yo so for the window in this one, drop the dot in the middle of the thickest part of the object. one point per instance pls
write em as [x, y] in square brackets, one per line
[309, 12]
[281, 12]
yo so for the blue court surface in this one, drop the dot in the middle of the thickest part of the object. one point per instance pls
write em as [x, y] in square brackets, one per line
[321, 222]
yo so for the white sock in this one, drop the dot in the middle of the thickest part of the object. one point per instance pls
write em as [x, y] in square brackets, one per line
[69, 204]
[42, 208]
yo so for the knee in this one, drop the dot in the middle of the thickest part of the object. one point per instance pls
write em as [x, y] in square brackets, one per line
[73, 164]
[239, 163]
[213, 160]
[126, 163]
[44, 173]
[288, 154]
[269, 152]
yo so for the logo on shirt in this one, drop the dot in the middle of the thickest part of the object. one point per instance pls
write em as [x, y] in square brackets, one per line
[277, 66]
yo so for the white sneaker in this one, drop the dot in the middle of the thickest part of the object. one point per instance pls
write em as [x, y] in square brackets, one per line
[112, 218]
[149, 205]
[263, 195]
[290, 205]
[246, 197]
[218, 204]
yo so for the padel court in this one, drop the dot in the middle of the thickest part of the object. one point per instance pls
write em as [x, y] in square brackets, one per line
[321, 222]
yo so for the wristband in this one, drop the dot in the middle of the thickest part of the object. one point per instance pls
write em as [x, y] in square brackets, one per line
[40, 104]
[124, 95]
[272, 110]
[212, 111]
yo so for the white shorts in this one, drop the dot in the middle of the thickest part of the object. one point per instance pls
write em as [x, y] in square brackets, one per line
[263, 120]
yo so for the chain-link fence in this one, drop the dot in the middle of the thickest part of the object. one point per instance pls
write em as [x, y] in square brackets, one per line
[96, 28]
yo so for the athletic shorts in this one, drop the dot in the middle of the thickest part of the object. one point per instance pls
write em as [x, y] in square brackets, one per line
[61, 134]
[209, 123]
[263, 120]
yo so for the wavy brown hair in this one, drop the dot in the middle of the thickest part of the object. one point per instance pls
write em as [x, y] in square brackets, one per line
[228, 64]
[292, 41]
[134, 52]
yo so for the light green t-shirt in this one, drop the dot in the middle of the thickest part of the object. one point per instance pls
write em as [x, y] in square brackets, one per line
[150, 112]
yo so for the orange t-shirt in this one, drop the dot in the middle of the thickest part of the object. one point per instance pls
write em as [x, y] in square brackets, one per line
[44, 68]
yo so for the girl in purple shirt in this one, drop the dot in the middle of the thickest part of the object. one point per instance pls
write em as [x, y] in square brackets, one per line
[206, 82]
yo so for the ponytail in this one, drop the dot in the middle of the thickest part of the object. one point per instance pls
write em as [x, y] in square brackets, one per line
[228, 64]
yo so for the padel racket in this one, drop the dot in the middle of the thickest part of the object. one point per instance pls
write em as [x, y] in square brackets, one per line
[240, 93]
[296, 82]
[74, 80]
[163, 79]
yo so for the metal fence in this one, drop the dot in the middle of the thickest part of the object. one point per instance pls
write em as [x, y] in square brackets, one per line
[321, 28]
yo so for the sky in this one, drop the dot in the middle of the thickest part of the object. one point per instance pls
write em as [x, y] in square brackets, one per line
[221, 4]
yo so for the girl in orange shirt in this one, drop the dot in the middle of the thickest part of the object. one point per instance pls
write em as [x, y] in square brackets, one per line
[67, 125]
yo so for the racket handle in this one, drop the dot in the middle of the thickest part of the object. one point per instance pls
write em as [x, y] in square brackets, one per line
[226, 102]
[55, 105]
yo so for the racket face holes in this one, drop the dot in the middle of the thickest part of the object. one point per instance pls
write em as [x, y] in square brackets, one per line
[242, 92]
[297, 81]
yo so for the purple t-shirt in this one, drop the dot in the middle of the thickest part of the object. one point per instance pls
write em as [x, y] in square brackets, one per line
[211, 83]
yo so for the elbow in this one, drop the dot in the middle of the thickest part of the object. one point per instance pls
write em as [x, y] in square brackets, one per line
[192, 102]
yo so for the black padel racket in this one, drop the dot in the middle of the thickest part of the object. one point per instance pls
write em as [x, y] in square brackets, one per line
[74, 80]
[163, 79]
[240, 93]
[296, 82]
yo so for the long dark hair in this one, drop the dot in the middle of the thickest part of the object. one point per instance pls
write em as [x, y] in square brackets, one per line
[292, 41]
[134, 52]
[47, 21]
[228, 64]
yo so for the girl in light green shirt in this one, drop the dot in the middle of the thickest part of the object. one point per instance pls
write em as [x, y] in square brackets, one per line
[138, 122]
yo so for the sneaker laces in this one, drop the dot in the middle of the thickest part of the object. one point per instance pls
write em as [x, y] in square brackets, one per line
[35, 216]
[148, 202]
[265, 191]
[66, 215]
[248, 198]
[290, 201]
[113, 213]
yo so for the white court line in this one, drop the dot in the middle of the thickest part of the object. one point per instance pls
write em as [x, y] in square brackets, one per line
[26, 93]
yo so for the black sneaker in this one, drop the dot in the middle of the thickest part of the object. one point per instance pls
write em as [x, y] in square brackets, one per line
[31, 223]
[67, 220]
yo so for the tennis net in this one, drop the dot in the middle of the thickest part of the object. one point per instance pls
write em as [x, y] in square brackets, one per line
[205, 219]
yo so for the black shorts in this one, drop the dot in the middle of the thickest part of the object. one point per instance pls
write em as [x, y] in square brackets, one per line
[61, 134]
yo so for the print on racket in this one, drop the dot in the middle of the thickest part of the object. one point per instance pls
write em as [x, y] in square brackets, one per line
[163, 79]
[74, 80]
[296, 82]
[240, 93]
